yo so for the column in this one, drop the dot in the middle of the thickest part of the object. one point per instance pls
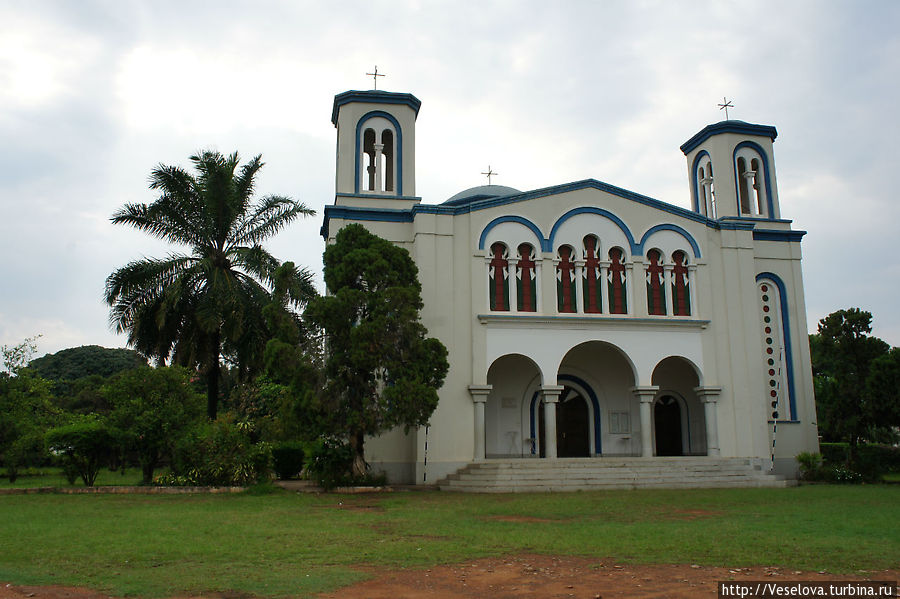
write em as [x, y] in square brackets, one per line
[550, 395]
[670, 303]
[709, 396]
[487, 279]
[479, 395]
[551, 303]
[646, 395]
[512, 295]
[378, 150]
[538, 298]
[603, 288]
[579, 287]
[692, 284]
[631, 284]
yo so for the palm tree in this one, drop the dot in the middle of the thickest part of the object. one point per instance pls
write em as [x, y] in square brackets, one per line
[190, 307]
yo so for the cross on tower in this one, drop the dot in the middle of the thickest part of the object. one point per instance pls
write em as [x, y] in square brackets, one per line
[375, 76]
[725, 105]
[490, 173]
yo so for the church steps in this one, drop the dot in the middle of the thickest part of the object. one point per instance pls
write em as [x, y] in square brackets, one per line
[534, 475]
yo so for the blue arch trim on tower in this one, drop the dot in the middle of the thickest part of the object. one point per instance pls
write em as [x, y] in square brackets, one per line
[695, 183]
[669, 227]
[399, 158]
[786, 334]
[770, 205]
[595, 403]
[593, 210]
[513, 219]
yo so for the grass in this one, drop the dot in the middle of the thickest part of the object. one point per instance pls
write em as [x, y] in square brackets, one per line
[281, 543]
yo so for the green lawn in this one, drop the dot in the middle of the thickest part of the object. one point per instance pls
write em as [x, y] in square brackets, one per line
[287, 544]
[53, 477]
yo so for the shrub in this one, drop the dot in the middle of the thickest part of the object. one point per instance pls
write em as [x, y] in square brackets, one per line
[218, 453]
[287, 459]
[329, 462]
[84, 446]
[810, 465]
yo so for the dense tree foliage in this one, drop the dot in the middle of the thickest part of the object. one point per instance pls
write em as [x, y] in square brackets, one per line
[78, 362]
[194, 307]
[151, 408]
[380, 369]
[855, 378]
[26, 411]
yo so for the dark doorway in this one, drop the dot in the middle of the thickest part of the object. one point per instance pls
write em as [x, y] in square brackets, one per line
[667, 416]
[572, 422]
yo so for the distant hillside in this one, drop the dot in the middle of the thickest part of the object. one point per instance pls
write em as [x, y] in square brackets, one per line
[77, 362]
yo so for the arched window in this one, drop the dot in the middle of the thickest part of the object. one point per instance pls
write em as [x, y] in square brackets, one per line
[369, 159]
[751, 175]
[498, 277]
[616, 280]
[777, 400]
[656, 287]
[706, 201]
[526, 283]
[378, 156]
[591, 276]
[565, 281]
[681, 285]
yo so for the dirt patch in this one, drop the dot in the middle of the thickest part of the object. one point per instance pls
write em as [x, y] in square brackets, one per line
[531, 577]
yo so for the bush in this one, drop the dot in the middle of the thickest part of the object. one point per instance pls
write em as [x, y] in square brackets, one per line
[218, 453]
[287, 459]
[84, 446]
[810, 465]
[329, 462]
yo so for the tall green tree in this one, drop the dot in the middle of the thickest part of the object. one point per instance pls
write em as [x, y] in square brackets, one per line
[190, 307]
[381, 371]
[843, 352]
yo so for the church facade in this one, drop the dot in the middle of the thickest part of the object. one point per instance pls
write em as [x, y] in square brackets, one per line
[585, 320]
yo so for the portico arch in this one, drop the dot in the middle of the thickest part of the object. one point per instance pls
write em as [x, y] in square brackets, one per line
[513, 379]
[679, 419]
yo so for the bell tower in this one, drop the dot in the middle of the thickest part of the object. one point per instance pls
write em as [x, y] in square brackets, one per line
[376, 149]
[731, 167]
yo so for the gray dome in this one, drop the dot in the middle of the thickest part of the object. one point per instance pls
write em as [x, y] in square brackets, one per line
[482, 192]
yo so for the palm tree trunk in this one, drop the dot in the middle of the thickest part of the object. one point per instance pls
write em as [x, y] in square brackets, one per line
[212, 380]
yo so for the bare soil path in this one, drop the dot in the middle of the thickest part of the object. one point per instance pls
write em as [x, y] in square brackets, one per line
[529, 577]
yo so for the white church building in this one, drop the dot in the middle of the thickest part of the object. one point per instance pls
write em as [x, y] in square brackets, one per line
[588, 321]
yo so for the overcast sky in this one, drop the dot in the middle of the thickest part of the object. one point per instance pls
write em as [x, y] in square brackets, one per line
[94, 94]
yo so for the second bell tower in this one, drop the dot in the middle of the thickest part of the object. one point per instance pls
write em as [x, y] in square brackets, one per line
[376, 149]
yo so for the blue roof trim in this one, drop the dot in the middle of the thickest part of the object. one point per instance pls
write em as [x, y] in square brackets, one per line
[399, 158]
[513, 219]
[593, 210]
[786, 333]
[739, 127]
[373, 97]
[772, 235]
[669, 227]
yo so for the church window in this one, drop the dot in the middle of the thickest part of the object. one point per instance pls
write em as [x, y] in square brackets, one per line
[369, 158]
[772, 333]
[750, 180]
[681, 290]
[656, 288]
[498, 277]
[565, 281]
[705, 188]
[387, 155]
[616, 282]
[378, 157]
[591, 276]
[526, 283]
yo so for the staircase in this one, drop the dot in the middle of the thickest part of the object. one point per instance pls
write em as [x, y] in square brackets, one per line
[589, 474]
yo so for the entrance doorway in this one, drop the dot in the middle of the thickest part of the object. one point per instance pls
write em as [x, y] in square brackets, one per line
[572, 422]
[667, 416]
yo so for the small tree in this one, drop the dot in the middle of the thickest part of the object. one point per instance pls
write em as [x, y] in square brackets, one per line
[85, 445]
[17, 357]
[842, 355]
[381, 371]
[25, 414]
[151, 407]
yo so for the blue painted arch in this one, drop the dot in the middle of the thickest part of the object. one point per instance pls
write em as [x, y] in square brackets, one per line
[770, 203]
[695, 182]
[592, 210]
[399, 158]
[786, 335]
[513, 219]
[670, 227]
